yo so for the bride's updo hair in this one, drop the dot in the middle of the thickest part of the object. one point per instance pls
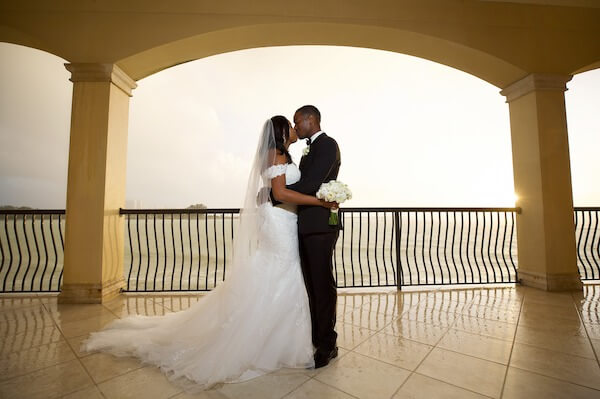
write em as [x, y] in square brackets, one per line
[281, 128]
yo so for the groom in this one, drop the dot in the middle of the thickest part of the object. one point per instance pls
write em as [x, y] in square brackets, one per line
[319, 165]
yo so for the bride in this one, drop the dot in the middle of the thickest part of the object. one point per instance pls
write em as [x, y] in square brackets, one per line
[256, 321]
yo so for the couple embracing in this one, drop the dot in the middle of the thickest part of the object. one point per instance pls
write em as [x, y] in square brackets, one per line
[277, 307]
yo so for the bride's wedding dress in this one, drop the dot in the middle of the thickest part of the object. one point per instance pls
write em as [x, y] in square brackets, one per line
[256, 321]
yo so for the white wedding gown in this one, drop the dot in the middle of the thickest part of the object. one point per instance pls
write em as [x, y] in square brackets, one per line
[256, 321]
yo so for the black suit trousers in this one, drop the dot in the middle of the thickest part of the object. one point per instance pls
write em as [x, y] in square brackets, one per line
[316, 252]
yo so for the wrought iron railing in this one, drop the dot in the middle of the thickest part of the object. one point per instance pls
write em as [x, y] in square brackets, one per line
[188, 250]
[31, 250]
[426, 246]
[177, 249]
[587, 235]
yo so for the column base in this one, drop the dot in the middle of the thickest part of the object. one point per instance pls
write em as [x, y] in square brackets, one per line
[90, 293]
[551, 282]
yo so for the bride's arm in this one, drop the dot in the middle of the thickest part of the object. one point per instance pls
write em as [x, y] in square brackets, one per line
[283, 194]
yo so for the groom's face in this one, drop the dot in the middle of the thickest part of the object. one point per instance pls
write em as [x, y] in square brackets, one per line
[302, 125]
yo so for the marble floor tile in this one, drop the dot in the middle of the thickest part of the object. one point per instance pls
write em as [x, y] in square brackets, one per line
[147, 382]
[429, 315]
[555, 340]
[85, 326]
[395, 350]
[522, 384]
[513, 305]
[314, 389]
[558, 365]
[422, 387]
[66, 313]
[416, 331]
[13, 303]
[88, 393]
[364, 318]
[549, 311]
[363, 377]
[271, 386]
[29, 339]
[592, 330]
[554, 324]
[19, 363]
[48, 383]
[350, 336]
[487, 348]
[489, 328]
[103, 366]
[394, 333]
[494, 314]
[481, 376]
[75, 344]
[17, 321]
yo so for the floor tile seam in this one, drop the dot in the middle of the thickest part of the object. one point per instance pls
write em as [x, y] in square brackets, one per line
[296, 388]
[480, 335]
[331, 386]
[383, 361]
[21, 308]
[454, 385]
[35, 371]
[80, 319]
[496, 320]
[140, 365]
[143, 366]
[587, 333]
[392, 364]
[472, 356]
[426, 322]
[555, 351]
[518, 341]
[403, 337]
[94, 383]
[554, 378]
[83, 389]
[31, 347]
[38, 346]
[512, 348]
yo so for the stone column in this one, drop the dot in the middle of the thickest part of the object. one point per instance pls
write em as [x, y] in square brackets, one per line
[542, 175]
[93, 262]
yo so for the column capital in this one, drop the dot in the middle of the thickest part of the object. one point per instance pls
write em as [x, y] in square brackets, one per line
[533, 82]
[90, 72]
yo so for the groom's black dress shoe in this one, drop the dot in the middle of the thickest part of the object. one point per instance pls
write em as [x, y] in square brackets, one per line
[322, 359]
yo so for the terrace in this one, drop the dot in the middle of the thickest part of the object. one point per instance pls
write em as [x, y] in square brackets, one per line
[432, 302]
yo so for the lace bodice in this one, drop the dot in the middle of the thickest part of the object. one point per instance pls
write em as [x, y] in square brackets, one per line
[292, 173]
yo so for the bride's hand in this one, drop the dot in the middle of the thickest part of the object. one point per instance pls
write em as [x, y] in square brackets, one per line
[330, 205]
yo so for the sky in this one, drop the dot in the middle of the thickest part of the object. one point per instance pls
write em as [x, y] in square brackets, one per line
[411, 132]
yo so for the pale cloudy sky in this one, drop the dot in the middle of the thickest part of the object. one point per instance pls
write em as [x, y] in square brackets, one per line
[411, 132]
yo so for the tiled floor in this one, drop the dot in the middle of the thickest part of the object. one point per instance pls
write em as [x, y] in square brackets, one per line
[473, 343]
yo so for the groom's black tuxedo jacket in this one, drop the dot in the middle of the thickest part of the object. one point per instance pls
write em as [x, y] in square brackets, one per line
[319, 166]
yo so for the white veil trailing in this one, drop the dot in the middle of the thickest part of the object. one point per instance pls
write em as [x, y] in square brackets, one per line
[258, 192]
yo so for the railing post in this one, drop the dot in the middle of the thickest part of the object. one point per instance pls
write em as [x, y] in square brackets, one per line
[398, 258]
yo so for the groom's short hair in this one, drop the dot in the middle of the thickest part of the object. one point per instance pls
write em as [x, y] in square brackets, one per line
[310, 110]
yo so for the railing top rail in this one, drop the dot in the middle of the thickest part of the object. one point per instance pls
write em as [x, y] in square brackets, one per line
[32, 211]
[437, 209]
[587, 208]
[177, 211]
[370, 209]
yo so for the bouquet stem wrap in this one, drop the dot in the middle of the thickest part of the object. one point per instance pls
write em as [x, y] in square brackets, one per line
[333, 217]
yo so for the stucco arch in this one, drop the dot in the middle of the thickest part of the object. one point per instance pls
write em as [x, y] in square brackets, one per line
[478, 63]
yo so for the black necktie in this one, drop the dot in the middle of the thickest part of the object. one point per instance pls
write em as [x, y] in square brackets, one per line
[307, 141]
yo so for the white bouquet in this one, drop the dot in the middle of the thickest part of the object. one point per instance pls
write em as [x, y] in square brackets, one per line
[334, 191]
